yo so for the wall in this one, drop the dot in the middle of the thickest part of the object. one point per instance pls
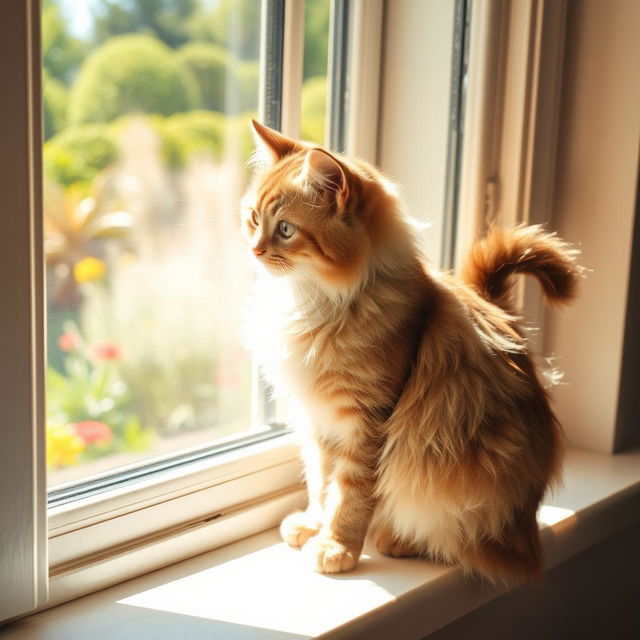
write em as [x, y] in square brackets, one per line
[595, 198]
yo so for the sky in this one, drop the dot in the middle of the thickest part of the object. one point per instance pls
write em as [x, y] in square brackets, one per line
[79, 17]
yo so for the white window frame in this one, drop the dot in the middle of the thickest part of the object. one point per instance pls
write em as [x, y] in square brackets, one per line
[511, 133]
[23, 543]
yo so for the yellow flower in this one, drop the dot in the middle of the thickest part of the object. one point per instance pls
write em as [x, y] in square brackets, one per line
[63, 446]
[89, 268]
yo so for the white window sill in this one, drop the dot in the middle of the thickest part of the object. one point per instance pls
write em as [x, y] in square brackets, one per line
[259, 588]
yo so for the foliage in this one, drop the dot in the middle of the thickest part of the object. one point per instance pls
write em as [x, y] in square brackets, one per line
[131, 73]
[76, 227]
[316, 37]
[247, 76]
[154, 353]
[54, 102]
[210, 65]
[166, 19]
[240, 130]
[232, 24]
[313, 109]
[90, 409]
[154, 311]
[195, 132]
[79, 153]
[226, 84]
[61, 52]
[198, 132]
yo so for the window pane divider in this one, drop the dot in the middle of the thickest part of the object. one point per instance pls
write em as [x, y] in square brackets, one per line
[292, 61]
[363, 92]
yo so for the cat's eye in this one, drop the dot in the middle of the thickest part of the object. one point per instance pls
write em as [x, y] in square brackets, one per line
[286, 229]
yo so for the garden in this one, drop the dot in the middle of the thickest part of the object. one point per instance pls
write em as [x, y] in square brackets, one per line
[146, 112]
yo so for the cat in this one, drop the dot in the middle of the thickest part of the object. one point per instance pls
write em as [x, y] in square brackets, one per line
[427, 422]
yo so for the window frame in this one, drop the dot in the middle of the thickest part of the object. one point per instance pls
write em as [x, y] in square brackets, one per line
[23, 562]
[510, 140]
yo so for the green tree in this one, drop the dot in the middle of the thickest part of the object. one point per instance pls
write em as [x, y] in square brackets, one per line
[313, 109]
[61, 52]
[316, 37]
[166, 19]
[54, 103]
[78, 153]
[131, 73]
[247, 75]
[210, 65]
[231, 24]
[196, 132]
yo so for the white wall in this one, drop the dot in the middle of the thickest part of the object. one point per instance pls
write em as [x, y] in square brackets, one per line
[595, 200]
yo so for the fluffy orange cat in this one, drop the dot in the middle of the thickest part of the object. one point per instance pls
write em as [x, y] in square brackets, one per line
[427, 421]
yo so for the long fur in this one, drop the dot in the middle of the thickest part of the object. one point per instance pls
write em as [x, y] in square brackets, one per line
[503, 253]
[426, 420]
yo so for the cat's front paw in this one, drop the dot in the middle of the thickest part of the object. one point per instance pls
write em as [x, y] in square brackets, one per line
[331, 556]
[298, 527]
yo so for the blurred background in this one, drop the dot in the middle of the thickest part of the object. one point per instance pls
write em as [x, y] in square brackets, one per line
[146, 115]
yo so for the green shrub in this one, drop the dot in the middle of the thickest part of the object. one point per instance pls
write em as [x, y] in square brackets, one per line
[181, 134]
[79, 153]
[226, 84]
[62, 53]
[128, 74]
[210, 65]
[195, 132]
[54, 103]
[313, 109]
[247, 82]
[205, 132]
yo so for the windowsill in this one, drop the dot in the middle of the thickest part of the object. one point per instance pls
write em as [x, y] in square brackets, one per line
[259, 588]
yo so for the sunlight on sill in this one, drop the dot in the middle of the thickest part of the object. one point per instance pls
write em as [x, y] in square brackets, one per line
[277, 574]
[275, 589]
[550, 515]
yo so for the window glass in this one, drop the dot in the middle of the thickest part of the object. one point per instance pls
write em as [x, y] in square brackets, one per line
[146, 110]
[315, 83]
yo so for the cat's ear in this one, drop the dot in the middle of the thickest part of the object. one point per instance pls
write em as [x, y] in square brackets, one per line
[323, 171]
[274, 144]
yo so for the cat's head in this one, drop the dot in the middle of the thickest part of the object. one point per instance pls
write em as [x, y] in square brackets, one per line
[313, 215]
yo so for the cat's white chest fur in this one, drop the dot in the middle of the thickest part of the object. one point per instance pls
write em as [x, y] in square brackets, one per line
[280, 335]
[289, 340]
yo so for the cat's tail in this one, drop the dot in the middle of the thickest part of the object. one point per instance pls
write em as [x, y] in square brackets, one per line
[529, 250]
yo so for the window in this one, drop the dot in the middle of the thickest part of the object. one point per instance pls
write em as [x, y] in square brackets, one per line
[146, 148]
[152, 400]
[155, 424]
[166, 477]
[145, 159]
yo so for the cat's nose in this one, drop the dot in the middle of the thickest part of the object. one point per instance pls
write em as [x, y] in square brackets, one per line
[258, 250]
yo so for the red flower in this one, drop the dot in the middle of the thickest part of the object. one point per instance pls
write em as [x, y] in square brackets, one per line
[68, 341]
[93, 432]
[107, 351]
[226, 377]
